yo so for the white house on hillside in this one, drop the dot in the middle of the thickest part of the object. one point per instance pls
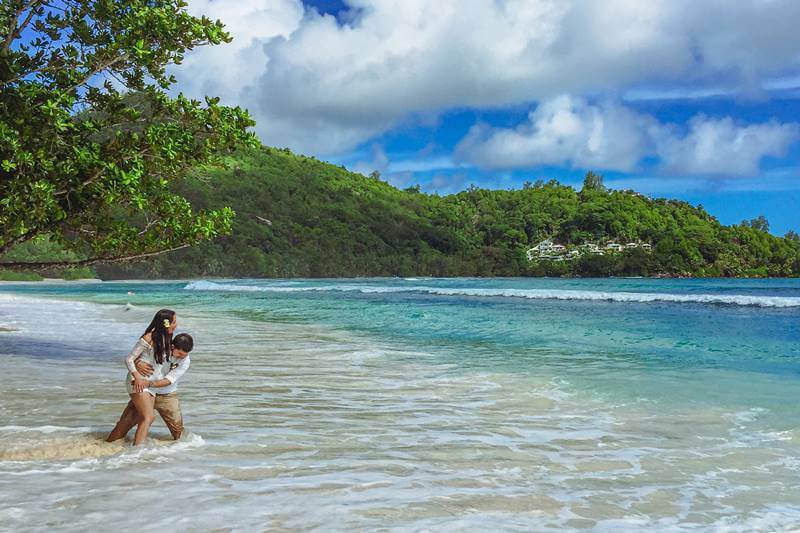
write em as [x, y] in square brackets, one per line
[558, 252]
[546, 249]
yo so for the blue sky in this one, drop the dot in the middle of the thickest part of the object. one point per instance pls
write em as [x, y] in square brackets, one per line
[697, 101]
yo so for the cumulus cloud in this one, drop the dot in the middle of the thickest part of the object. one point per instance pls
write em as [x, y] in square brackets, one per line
[719, 146]
[317, 85]
[229, 70]
[572, 132]
[563, 131]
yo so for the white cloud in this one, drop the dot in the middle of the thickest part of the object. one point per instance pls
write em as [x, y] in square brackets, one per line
[567, 131]
[318, 86]
[563, 131]
[228, 70]
[719, 146]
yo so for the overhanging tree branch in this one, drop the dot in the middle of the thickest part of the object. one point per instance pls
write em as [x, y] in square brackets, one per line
[70, 155]
[98, 69]
[87, 262]
[18, 240]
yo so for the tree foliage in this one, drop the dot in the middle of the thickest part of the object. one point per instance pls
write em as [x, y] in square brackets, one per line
[298, 216]
[80, 161]
[760, 223]
[592, 182]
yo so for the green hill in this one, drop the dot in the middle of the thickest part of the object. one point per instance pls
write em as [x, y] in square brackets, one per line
[300, 217]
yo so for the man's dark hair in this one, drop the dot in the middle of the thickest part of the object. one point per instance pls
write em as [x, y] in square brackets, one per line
[183, 342]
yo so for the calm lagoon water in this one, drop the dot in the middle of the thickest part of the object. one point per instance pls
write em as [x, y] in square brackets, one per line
[411, 404]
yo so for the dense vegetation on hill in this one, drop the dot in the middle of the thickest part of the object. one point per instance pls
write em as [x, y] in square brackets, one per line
[300, 217]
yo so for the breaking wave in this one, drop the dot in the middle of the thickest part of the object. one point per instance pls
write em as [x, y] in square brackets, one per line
[531, 294]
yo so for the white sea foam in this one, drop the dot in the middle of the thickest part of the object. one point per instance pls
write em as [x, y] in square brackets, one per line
[82, 450]
[43, 429]
[531, 294]
[157, 449]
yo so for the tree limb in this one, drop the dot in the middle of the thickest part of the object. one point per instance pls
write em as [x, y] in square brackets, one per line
[22, 75]
[85, 182]
[149, 225]
[18, 240]
[88, 262]
[16, 31]
[97, 70]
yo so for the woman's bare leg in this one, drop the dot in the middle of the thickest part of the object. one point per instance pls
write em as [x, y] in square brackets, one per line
[144, 402]
[128, 419]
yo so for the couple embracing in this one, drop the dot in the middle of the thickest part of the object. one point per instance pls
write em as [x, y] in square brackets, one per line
[155, 365]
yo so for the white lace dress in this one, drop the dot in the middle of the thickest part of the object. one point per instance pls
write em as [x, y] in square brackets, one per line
[142, 350]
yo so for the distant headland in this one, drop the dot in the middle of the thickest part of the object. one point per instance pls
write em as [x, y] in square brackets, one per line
[297, 216]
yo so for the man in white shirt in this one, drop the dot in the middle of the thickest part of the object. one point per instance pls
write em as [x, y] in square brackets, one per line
[166, 389]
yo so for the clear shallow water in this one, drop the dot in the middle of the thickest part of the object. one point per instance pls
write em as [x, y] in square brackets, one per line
[413, 404]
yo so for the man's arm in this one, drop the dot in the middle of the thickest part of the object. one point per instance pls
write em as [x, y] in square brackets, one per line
[144, 368]
[173, 375]
[163, 382]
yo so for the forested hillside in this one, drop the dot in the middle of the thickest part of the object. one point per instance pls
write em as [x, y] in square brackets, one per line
[300, 217]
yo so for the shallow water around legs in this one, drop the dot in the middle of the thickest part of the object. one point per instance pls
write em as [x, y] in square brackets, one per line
[300, 416]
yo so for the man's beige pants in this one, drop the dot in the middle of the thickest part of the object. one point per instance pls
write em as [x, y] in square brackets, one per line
[167, 405]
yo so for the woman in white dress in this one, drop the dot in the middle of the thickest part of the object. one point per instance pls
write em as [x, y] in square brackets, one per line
[153, 347]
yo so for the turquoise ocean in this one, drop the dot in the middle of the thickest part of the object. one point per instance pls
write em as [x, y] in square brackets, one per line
[410, 405]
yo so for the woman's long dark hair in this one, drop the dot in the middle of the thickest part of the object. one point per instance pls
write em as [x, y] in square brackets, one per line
[161, 337]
